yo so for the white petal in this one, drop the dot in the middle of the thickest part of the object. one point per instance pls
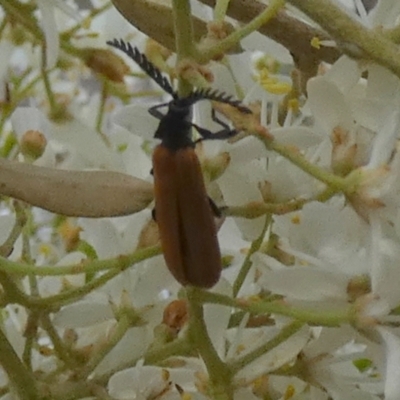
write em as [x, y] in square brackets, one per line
[50, 31]
[392, 372]
[30, 118]
[239, 190]
[137, 120]
[385, 141]
[386, 13]
[87, 143]
[311, 284]
[136, 161]
[83, 314]
[328, 105]
[102, 235]
[6, 224]
[133, 382]
[136, 340]
[244, 394]
[382, 84]
[277, 357]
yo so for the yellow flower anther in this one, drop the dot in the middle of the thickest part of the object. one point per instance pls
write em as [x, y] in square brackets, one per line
[293, 104]
[186, 396]
[45, 249]
[267, 63]
[290, 392]
[272, 84]
[296, 219]
[315, 42]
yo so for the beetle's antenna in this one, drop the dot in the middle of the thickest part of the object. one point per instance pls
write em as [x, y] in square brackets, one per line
[212, 94]
[153, 72]
[147, 66]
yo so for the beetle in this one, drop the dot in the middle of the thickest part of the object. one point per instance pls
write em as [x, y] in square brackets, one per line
[183, 211]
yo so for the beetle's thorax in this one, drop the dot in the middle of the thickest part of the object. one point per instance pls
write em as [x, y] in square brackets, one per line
[174, 129]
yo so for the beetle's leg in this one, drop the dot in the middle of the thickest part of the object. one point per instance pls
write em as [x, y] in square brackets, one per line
[224, 133]
[219, 121]
[154, 111]
[215, 209]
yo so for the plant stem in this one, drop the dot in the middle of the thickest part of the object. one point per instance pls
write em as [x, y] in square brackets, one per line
[336, 183]
[98, 356]
[179, 347]
[235, 37]
[354, 39]
[21, 379]
[255, 246]
[120, 263]
[256, 210]
[185, 47]
[220, 9]
[218, 372]
[284, 334]
[315, 317]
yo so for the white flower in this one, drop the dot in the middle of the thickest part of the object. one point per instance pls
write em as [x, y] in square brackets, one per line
[327, 362]
[50, 29]
[391, 369]
[142, 382]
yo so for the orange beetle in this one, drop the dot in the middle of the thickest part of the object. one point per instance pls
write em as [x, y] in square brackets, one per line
[183, 211]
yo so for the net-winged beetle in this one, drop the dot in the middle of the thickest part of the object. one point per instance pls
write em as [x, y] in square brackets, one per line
[183, 211]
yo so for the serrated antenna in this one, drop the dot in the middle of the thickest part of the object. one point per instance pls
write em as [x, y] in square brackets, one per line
[147, 66]
[153, 72]
[212, 94]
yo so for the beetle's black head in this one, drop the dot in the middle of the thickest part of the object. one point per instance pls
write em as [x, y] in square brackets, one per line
[175, 126]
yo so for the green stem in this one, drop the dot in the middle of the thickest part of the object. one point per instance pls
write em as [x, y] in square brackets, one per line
[72, 295]
[256, 210]
[255, 246]
[284, 334]
[336, 183]
[30, 333]
[101, 113]
[235, 37]
[219, 374]
[179, 347]
[220, 9]
[315, 317]
[184, 38]
[60, 349]
[118, 263]
[12, 294]
[24, 18]
[93, 13]
[47, 86]
[354, 39]
[21, 379]
[393, 34]
[20, 220]
[118, 333]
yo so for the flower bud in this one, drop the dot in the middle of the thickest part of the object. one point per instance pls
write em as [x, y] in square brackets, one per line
[176, 315]
[32, 144]
[69, 234]
[215, 166]
[107, 63]
[344, 151]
